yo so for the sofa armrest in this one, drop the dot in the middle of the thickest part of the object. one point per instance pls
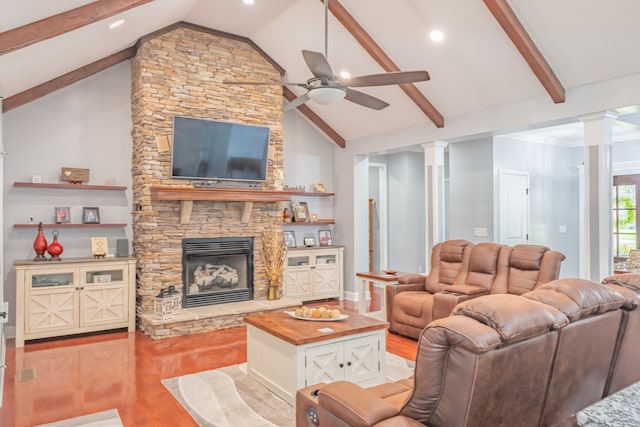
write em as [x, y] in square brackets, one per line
[443, 302]
[392, 290]
[412, 278]
[353, 405]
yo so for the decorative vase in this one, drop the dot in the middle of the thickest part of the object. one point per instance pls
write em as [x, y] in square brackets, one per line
[273, 291]
[40, 245]
[55, 248]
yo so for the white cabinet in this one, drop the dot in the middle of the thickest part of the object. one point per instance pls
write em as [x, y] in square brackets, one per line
[74, 295]
[356, 360]
[314, 273]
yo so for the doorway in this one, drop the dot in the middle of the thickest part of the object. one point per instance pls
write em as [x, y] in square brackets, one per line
[514, 207]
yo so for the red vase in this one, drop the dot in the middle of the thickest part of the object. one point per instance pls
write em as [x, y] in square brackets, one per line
[55, 248]
[40, 245]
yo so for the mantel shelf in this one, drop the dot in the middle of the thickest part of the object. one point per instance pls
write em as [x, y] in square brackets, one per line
[187, 195]
[310, 223]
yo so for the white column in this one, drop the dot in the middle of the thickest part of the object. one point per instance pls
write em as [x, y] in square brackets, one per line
[434, 195]
[598, 181]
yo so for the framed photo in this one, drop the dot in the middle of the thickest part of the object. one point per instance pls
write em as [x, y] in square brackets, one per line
[90, 216]
[99, 247]
[63, 215]
[309, 241]
[301, 212]
[289, 239]
[324, 236]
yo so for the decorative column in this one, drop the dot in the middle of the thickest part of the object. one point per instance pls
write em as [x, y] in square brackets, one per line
[434, 195]
[598, 181]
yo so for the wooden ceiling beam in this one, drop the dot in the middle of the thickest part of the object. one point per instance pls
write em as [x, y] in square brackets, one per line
[314, 118]
[511, 25]
[64, 22]
[378, 54]
[67, 79]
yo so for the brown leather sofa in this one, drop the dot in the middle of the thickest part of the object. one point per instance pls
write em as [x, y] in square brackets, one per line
[498, 360]
[460, 271]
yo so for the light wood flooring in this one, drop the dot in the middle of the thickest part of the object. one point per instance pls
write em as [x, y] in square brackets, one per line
[82, 375]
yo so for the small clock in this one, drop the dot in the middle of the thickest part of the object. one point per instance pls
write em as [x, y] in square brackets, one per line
[309, 241]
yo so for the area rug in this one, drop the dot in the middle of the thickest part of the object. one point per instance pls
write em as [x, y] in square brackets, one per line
[109, 418]
[228, 397]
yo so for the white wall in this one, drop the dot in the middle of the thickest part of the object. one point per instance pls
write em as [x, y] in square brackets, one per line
[86, 125]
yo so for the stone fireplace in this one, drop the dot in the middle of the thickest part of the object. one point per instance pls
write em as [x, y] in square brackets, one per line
[180, 71]
[217, 271]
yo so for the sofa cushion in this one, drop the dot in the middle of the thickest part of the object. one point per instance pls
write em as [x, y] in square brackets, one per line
[628, 280]
[514, 318]
[527, 257]
[577, 298]
[452, 250]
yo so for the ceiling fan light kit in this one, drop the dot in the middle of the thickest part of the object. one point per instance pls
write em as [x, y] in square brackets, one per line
[327, 95]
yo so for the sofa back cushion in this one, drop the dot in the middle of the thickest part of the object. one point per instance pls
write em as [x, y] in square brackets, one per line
[449, 260]
[485, 264]
[464, 366]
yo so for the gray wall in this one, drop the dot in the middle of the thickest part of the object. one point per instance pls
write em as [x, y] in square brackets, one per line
[553, 200]
[406, 194]
[471, 189]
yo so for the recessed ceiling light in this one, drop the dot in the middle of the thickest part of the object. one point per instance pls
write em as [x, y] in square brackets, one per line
[249, 2]
[116, 24]
[436, 36]
[345, 74]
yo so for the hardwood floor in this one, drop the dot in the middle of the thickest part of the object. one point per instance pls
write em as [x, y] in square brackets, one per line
[83, 375]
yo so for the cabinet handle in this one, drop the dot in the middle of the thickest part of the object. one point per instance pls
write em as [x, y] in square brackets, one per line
[77, 288]
[341, 365]
[348, 363]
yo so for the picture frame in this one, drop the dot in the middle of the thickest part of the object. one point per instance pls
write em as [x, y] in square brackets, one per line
[325, 238]
[309, 241]
[289, 239]
[300, 212]
[99, 247]
[63, 215]
[90, 215]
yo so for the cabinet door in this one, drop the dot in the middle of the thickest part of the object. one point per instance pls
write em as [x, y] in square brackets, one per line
[325, 276]
[362, 359]
[51, 301]
[324, 363]
[103, 297]
[298, 278]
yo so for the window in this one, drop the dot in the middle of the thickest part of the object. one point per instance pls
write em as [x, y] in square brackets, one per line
[626, 192]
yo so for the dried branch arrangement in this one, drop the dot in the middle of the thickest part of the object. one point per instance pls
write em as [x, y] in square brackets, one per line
[274, 251]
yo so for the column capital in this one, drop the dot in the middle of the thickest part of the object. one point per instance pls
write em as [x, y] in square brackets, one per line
[598, 116]
[434, 144]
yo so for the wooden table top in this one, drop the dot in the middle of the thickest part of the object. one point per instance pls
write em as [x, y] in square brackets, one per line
[299, 332]
[382, 276]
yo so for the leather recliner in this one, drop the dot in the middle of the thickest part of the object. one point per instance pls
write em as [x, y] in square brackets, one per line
[498, 360]
[491, 268]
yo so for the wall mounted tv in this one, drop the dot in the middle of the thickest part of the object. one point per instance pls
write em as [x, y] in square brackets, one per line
[214, 150]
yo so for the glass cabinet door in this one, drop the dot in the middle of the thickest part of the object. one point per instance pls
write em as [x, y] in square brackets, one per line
[325, 259]
[51, 279]
[298, 261]
[103, 275]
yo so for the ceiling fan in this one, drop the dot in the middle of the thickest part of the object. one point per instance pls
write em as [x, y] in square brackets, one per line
[326, 88]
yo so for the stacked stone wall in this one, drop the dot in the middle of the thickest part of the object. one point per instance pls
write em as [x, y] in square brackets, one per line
[181, 72]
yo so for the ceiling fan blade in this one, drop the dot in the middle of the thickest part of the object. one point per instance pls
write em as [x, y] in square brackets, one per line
[365, 100]
[318, 64]
[296, 102]
[388, 79]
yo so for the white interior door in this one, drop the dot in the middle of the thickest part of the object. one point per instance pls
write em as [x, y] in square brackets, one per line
[4, 307]
[378, 192]
[514, 207]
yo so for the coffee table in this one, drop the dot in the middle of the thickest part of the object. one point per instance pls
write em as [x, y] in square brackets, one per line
[285, 354]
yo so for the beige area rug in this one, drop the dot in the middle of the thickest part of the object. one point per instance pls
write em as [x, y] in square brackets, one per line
[228, 397]
[109, 418]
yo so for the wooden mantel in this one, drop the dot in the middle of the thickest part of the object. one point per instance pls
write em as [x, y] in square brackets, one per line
[187, 195]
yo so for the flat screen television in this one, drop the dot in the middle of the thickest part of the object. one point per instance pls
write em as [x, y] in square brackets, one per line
[214, 150]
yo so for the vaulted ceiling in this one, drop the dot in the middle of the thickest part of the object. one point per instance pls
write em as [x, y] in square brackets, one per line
[494, 52]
